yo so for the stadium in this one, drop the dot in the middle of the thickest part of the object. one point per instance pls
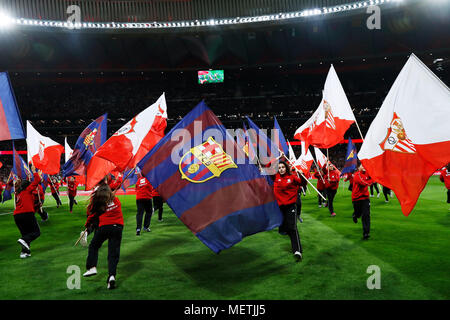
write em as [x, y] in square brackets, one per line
[255, 71]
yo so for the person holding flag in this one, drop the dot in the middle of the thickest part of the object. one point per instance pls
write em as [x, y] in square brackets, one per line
[445, 177]
[360, 199]
[104, 210]
[72, 186]
[54, 188]
[39, 198]
[144, 195]
[331, 178]
[386, 193]
[285, 188]
[405, 135]
[320, 186]
[24, 212]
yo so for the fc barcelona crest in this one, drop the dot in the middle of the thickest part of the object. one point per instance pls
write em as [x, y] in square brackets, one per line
[204, 162]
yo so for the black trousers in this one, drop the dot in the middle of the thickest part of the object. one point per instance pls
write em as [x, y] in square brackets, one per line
[320, 198]
[362, 210]
[330, 196]
[144, 205]
[372, 186]
[289, 226]
[28, 226]
[58, 200]
[448, 195]
[299, 203]
[158, 204]
[386, 193]
[112, 233]
[71, 202]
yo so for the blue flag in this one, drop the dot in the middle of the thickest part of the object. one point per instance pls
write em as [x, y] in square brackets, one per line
[131, 179]
[280, 140]
[220, 200]
[10, 121]
[351, 159]
[89, 141]
[9, 189]
[20, 167]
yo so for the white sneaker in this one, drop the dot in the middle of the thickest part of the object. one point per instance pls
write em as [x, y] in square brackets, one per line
[83, 240]
[386, 201]
[320, 206]
[111, 282]
[24, 255]
[91, 272]
[24, 244]
[371, 195]
[298, 255]
[378, 195]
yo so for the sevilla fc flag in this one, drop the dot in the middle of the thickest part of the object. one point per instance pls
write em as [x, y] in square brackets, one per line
[304, 162]
[43, 152]
[129, 144]
[330, 121]
[409, 138]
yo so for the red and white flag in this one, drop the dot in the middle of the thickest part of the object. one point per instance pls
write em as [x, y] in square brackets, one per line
[331, 120]
[43, 152]
[320, 157]
[129, 144]
[409, 138]
[68, 150]
[305, 161]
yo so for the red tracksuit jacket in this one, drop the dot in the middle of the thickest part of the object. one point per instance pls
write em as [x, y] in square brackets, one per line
[25, 199]
[54, 189]
[361, 183]
[72, 187]
[331, 179]
[112, 215]
[144, 189]
[285, 188]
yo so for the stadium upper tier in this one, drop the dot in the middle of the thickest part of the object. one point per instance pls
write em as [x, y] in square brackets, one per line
[162, 14]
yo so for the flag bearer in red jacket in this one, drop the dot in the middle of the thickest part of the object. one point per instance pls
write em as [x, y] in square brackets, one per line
[24, 213]
[39, 198]
[144, 195]
[320, 187]
[445, 177]
[54, 188]
[360, 199]
[72, 186]
[331, 185]
[285, 187]
[106, 209]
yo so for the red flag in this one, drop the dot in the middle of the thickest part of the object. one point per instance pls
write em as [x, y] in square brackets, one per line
[129, 144]
[409, 138]
[330, 121]
[43, 152]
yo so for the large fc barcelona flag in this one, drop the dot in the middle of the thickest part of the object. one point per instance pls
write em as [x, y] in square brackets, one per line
[196, 169]
[11, 127]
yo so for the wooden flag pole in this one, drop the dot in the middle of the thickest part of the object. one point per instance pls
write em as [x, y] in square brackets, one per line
[81, 236]
[359, 130]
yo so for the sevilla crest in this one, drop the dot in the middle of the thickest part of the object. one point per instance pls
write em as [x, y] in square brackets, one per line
[396, 139]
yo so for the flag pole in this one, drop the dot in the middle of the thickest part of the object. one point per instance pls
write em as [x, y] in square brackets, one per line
[123, 180]
[328, 167]
[318, 170]
[81, 236]
[298, 171]
[359, 130]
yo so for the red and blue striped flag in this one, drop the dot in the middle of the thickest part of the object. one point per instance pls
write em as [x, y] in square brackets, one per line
[11, 127]
[87, 144]
[20, 167]
[193, 168]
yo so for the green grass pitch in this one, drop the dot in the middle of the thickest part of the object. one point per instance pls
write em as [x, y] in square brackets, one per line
[171, 263]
